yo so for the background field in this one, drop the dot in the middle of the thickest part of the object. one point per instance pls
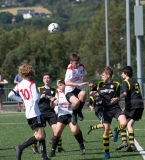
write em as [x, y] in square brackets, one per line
[14, 131]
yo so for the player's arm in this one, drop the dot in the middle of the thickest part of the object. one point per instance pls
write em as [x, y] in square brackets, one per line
[4, 82]
[122, 95]
[88, 79]
[54, 101]
[13, 95]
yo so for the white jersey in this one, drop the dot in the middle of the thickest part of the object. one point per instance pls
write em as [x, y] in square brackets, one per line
[64, 107]
[74, 76]
[28, 94]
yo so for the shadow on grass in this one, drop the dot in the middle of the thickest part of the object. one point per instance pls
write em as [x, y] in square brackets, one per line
[1, 149]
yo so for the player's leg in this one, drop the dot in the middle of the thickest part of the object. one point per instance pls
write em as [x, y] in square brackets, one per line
[1, 102]
[36, 124]
[99, 114]
[124, 140]
[19, 107]
[53, 122]
[106, 140]
[55, 139]
[122, 123]
[34, 146]
[71, 97]
[135, 115]
[82, 98]
[78, 136]
[131, 136]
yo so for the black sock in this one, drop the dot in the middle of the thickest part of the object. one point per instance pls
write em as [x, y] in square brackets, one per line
[81, 106]
[42, 146]
[79, 137]
[55, 141]
[30, 141]
[75, 112]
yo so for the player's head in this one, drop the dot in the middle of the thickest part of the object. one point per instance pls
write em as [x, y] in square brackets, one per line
[60, 84]
[46, 78]
[74, 60]
[26, 70]
[127, 71]
[106, 73]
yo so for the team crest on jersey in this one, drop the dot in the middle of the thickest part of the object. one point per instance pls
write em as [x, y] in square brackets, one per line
[111, 86]
[52, 92]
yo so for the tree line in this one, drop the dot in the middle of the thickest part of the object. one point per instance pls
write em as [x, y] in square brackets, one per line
[50, 52]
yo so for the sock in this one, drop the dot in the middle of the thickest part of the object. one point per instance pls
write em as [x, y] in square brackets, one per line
[42, 146]
[96, 127]
[123, 135]
[79, 137]
[59, 145]
[54, 142]
[110, 133]
[81, 106]
[75, 112]
[131, 137]
[120, 128]
[106, 143]
[29, 142]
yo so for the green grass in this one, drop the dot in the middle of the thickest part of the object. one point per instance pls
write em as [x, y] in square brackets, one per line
[14, 131]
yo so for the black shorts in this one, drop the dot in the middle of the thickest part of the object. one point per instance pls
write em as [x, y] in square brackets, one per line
[64, 119]
[99, 113]
[75, 92]
[51, 120]
[109, 114]
[134, 114]
[35, 122]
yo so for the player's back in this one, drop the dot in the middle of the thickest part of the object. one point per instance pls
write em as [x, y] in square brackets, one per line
[27, 91]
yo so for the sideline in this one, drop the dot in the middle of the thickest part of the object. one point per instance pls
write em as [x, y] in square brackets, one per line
[140, 149]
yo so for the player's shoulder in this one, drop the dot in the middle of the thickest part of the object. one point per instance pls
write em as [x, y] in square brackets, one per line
[116, 82]
[69, 67]
[41, 88]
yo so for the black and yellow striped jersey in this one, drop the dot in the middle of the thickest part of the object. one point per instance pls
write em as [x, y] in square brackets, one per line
[44, 103]
[134, 98]
[106, 92]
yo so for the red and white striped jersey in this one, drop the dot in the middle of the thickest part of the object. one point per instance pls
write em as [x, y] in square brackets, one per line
[28, 93]
[75, 76]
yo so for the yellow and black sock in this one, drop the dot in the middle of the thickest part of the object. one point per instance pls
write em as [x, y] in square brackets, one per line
[59, 145]
[120, 128]
[124, 135]
[96, 126]
[131, 137]
[110, 133]
[106, 143]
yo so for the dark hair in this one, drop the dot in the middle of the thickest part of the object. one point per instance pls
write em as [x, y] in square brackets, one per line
[47, 74]
[107, 70]
[60, 80]
[74, 57]
[128, 71]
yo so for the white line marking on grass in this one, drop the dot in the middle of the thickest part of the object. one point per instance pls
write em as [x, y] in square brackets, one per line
[12, 123]
[140, 149]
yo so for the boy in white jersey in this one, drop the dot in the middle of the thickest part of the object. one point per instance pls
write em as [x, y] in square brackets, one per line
[74, 91]
[64, 118]
[28, 94]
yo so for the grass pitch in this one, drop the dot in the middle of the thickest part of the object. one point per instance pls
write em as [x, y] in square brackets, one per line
[14, 131]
